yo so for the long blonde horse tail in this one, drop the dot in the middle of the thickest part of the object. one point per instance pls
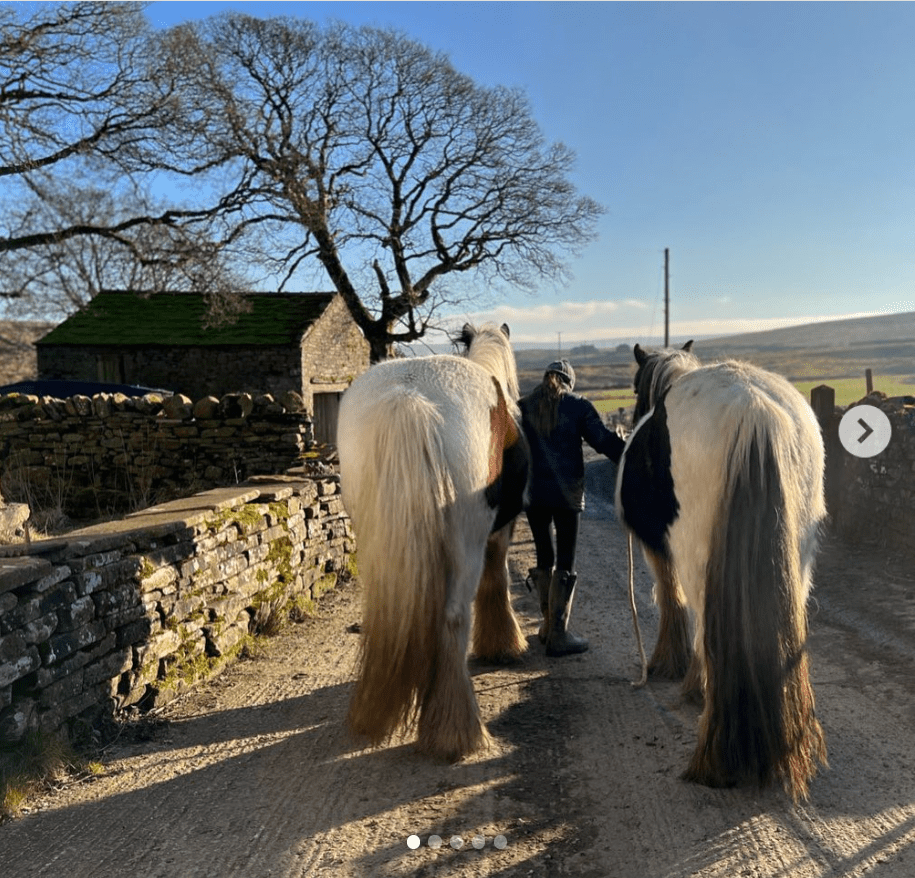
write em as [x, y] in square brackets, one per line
[398, 507]
[759, 721]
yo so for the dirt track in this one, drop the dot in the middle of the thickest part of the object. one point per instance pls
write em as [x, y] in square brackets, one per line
[253, 775]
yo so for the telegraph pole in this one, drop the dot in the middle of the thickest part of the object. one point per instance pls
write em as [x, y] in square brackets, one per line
[666, 296]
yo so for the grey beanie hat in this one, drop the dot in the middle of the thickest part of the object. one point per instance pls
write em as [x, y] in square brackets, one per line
[563, 368]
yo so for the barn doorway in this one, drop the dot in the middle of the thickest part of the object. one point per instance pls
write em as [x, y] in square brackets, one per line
[326, 412]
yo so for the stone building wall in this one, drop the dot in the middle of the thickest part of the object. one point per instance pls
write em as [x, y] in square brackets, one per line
[334, 352]
[112, 453]
[330, 353]
[193, 371]
[133, 611]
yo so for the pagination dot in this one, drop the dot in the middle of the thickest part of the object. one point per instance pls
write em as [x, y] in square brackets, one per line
[435, 841]
[413, 842]
[500, 842]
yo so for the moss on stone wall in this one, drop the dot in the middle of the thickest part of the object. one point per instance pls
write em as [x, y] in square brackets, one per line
[133, 611]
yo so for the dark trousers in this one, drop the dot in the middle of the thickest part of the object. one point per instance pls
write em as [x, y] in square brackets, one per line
[565, 523]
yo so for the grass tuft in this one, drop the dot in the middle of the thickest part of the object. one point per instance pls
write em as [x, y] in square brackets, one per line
[39, 762]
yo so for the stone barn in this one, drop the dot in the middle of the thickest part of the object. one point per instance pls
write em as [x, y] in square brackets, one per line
[306, 342]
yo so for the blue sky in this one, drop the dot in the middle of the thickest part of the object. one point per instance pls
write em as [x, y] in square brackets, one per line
[770, 146]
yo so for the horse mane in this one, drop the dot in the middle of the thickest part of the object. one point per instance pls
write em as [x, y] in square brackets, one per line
[488, 346]
[657, 371]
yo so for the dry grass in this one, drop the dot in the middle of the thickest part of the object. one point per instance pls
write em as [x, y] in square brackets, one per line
[40, 762]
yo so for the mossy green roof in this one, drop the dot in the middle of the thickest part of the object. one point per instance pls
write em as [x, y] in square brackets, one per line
[177, 319]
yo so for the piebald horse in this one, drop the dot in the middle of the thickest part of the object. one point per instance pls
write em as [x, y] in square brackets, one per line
[433, 470]
[721, 482]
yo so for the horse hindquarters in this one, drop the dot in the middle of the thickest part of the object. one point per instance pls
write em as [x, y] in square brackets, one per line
[758, 722]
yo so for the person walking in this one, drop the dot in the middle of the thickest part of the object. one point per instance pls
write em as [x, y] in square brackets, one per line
[555, 422]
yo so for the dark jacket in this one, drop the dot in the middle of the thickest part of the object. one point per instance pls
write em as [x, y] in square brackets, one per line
[558, 469]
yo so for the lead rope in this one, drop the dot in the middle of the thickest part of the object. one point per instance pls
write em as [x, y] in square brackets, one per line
[635, 619]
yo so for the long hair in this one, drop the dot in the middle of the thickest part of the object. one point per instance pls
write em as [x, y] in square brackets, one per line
[399, 625]
[545, 403]
[759, 721]
[488, 346]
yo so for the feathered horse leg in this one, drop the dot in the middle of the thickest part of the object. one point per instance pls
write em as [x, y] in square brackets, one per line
[497, 636]
[450, 726]
[673, 649]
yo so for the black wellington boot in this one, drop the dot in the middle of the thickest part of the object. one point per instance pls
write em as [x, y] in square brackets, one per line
[559, 640]
[540, 577]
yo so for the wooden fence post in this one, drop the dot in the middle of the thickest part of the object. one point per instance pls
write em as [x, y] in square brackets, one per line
[869, 380]
[823, 403]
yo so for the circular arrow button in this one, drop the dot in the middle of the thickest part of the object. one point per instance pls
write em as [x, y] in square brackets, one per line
[865, 431]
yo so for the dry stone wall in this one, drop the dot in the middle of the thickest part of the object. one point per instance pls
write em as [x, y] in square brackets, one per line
[872, 500]
[133, 611]
[113, 453]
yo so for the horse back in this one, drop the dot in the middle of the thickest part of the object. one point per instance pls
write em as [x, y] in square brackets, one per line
[678, 458]
[719, 411]
[476, 431]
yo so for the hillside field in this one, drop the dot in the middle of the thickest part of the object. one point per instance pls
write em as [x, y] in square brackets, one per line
[836, 353]
[848, 390]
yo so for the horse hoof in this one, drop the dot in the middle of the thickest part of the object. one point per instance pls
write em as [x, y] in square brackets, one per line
[456, 749]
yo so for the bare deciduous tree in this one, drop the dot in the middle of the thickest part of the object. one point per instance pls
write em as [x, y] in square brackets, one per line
[55, 279]
[355, 154]
[79, 110]
[365, 151]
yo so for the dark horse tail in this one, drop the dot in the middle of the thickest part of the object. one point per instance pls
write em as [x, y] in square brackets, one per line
[758, 722]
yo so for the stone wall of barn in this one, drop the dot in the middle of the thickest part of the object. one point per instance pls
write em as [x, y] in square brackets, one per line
[334, 352]
[133, 611]
[193, 371]
[111, 453]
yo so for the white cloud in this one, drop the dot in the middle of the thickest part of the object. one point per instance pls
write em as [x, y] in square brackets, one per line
[606, 320]
[595, 319]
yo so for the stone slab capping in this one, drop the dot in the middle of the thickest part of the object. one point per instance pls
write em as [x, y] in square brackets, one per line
[133, 611]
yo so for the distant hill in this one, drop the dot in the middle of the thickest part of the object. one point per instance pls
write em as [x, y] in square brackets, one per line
[832, 349]
[857, 331]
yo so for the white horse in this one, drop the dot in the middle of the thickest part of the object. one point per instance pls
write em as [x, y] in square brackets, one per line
[722, 483]
[433, 469]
